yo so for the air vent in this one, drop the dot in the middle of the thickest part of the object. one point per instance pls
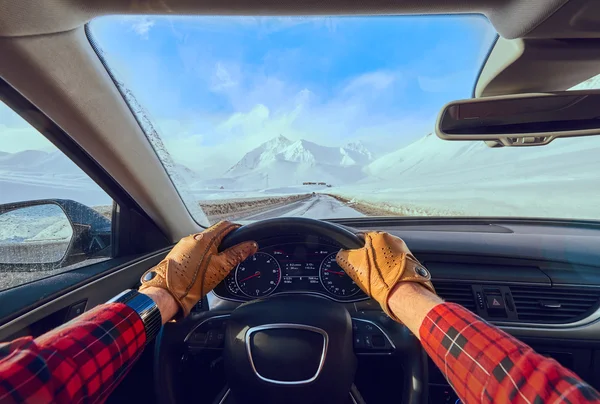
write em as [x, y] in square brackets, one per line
[460, 293]
[554, 304]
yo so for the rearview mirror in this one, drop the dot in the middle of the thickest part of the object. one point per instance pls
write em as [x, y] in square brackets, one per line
[522, 119]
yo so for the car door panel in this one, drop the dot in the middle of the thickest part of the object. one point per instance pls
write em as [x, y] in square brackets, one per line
[25, 306]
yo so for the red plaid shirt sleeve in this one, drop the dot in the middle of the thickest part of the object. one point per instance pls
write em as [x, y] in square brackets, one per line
[80, 362]
[483, 364]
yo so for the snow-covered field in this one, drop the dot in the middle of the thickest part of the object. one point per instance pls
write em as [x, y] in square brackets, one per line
[436, 178]
[35, 174]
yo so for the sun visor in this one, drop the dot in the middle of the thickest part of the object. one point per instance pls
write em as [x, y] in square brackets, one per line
[538, 65]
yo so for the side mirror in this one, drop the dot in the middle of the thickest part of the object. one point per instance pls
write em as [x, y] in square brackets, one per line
[51, 234]
[521, 119]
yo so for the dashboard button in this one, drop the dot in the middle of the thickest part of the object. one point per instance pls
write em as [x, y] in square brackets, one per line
[368, 341]
[199, 338]
[378, 341]
[495, 302]
[359, 342]
[212, 339]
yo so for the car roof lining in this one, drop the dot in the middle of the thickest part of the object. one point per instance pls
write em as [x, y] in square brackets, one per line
[511, 18]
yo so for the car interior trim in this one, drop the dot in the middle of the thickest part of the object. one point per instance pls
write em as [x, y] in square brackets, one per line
[294, 292]
[483, 66]
[137, 118]
[591, 319]
[304, 327]
[224, 398]
[123, 274]
[490, 282]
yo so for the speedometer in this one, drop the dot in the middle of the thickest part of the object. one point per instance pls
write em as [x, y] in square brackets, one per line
[258, 275]
[335, 280]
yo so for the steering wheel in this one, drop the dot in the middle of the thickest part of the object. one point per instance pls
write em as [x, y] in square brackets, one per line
[291, 348]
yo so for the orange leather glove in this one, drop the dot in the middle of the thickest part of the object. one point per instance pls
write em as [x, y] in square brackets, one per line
[384, 261]
[194, 267]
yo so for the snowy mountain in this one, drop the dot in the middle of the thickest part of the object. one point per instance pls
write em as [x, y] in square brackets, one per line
[263, 154]
[428, 154]
[281, 162]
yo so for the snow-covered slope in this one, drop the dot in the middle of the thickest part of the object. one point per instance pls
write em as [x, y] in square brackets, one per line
[436, 177]
[433, 156]
[35, 174]
[427, 154]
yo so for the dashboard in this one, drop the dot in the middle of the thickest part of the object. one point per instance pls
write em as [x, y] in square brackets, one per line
[543, 273]
[295, 264]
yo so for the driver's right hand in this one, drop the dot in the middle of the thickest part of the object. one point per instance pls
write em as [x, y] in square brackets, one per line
[383, 262]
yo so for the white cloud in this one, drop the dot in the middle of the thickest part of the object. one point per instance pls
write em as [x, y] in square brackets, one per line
[142, 26]
[222, 78]
[378, 80]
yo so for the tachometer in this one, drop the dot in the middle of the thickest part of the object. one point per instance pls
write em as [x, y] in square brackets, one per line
[335, 280]
[258, 275]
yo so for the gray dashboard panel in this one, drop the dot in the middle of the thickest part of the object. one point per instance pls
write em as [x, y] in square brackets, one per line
[540, 252]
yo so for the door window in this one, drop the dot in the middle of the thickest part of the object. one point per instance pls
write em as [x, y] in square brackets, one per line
[53, 217]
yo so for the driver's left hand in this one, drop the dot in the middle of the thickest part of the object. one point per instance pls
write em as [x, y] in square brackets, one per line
[194, 267]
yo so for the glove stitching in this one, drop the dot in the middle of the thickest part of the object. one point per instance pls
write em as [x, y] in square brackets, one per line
[204, 277]
[208, 247]
[375, 262]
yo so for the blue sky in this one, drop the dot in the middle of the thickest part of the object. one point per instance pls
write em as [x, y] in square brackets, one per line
[218, 86]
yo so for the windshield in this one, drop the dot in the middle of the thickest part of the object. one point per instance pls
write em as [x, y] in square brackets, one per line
[330, 117]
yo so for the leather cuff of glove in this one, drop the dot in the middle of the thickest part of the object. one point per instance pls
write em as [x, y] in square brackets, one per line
[414, 272]
[152, 279]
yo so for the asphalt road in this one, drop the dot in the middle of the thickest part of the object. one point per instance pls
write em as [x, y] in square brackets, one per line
[316, 207]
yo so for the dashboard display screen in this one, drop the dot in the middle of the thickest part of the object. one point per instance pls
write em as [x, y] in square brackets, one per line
[290, 267]
[300, 264]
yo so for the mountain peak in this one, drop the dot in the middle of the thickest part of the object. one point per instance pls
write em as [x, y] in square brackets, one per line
[357, 153]
[355, 144]
[277, 141]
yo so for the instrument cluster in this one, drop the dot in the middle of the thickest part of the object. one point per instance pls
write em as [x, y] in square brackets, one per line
[290, 266]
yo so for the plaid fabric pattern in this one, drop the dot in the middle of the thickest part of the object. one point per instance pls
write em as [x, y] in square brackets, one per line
[79, 362]
[483, 364]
